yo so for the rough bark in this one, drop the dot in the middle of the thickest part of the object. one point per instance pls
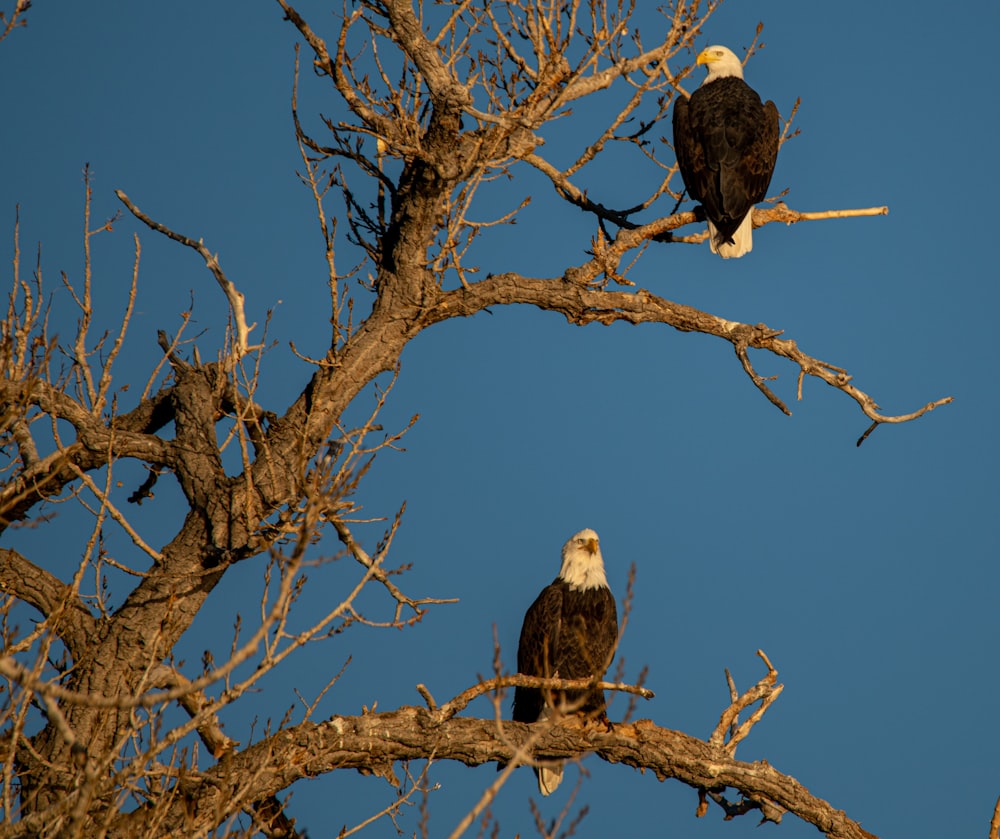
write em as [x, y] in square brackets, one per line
[373, 742]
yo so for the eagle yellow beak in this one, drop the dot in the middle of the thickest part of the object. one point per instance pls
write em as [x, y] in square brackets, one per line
[591, 546]
[706, 57]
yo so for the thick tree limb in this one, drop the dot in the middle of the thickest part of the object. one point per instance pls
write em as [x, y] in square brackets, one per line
[378, 740]
[68, 618]
[443, 86]
[127, 435]
[195, 703]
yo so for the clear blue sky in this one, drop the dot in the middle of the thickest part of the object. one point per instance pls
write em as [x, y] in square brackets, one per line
[869, 575]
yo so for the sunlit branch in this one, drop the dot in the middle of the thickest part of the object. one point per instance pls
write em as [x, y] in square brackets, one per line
[581, 302]
[449, 709]
[10, 20]
[194, 702]
[233, 295]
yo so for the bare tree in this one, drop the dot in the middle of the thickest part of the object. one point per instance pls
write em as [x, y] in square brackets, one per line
[438, 103]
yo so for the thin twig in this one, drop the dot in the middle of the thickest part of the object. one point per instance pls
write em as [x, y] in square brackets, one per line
[233, 295]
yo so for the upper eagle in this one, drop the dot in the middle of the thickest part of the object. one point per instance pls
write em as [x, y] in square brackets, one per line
[726, 142]
[569, 632]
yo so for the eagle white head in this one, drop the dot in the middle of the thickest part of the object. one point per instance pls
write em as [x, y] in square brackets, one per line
[721, 62]
[582, 564]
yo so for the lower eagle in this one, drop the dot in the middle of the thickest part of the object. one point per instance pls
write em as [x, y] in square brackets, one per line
[569, 632]
[726, 142]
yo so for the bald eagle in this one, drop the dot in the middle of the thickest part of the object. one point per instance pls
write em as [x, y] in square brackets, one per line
[726, 144]
[569, 632]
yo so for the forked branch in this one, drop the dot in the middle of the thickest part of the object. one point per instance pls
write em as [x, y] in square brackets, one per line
[765, 692]
[581, 302]
[11, 20]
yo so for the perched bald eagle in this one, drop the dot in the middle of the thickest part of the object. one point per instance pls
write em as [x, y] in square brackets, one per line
[726, 144]
[569, 632]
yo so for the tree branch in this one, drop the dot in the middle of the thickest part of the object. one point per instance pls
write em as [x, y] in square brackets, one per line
[196, 704]
[127, 435]
[70, 619]
[444, 88]
[378, 740]
[9, 22]
[765, 691]
[782, 212]
[459, 703]
[582, 304]
[241, 343]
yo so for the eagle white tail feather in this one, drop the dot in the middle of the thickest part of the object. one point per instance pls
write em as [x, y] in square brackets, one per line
[742, 239]
[549, 777]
